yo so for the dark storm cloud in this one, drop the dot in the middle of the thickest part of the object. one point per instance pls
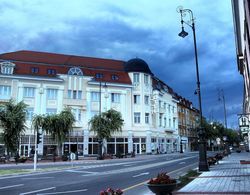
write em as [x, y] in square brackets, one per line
[124, 30]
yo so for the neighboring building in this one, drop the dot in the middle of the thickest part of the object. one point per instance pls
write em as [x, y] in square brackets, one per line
[241, 16]
[188, 123]
[48, 82]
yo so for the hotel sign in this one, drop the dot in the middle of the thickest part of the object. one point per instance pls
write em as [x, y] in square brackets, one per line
[244, 123]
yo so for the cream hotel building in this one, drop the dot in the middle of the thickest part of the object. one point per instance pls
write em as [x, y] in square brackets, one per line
[48, 82]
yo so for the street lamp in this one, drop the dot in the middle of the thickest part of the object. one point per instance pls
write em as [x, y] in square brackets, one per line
[100, 141]
[203, 165]
[222, 98]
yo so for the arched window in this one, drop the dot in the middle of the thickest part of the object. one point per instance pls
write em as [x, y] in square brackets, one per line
[75, 71]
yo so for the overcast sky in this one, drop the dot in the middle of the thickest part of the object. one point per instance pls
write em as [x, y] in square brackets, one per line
[124, 29]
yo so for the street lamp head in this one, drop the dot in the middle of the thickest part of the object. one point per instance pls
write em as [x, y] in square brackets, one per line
[183, 33]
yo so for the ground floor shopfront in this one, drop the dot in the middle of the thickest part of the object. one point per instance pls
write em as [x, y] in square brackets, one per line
[84, 144]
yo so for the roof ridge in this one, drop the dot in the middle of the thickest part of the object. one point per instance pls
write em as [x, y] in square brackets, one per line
[61, 54]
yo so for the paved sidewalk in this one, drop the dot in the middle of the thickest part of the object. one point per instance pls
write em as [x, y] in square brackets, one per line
[228, 177]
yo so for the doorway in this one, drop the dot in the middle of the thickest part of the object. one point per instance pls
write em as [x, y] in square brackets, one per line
[136, 148]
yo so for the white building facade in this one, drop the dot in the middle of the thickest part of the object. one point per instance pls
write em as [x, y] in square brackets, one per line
[49, 82]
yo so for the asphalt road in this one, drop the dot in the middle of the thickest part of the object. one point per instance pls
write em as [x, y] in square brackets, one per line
[93, 176]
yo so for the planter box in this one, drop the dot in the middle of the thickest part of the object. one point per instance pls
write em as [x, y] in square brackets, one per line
[162, 189]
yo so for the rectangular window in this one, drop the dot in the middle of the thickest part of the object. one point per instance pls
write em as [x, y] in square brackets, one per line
[136, 99]
[146, 100]
[168, 108]
[160, 120]
[29, 92]
[95, 96]
[147, 118]
[51, 111]
[115, 97]
[74, 94]
[169, 122]
[51, 71]
[29, 114]
[165, 122]
[69, 94]
[137, 117]
[5, 91]
[79, 94]
[52, 94]
[146, 80]
[136, 78]
[34, 70]
[159, 103]
[77, 114]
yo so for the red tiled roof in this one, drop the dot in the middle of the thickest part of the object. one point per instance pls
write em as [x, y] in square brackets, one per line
[25, 60]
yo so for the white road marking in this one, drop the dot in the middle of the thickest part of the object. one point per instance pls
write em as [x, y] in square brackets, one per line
[65, 192]
[31, 192]
[6, 187]
[141, 174]
[182, 163]
[31, 178]
[128, 165]
[78, 171]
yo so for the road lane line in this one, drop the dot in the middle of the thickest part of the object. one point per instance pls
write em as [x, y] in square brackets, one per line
[182, 163]
[144, 182]
[31, 178]
[141, 174]
[13, 186]
[65, 192]
[79, 171]
[31, 192]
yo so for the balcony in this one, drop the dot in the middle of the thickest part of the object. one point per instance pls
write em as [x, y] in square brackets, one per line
[75, 102]
[169, 130]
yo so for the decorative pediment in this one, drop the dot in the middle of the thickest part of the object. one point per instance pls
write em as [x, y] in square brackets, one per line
[7, 67]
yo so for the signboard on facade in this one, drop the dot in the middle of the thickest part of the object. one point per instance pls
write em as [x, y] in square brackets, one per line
[218, 140]
[243, 121]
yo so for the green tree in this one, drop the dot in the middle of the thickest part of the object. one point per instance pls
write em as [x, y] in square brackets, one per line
[104, 125]
[12, 119]
[57, 125]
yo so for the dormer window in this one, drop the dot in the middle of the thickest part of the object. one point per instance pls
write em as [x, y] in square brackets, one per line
[114, 77]
[7, 67]
[51, 71]
[99, 75]
[75, 71]
[34, 70]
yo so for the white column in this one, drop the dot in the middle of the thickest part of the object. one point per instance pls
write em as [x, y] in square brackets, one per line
[165, 145]
[86, 142]
[130, 141]
[148, 143]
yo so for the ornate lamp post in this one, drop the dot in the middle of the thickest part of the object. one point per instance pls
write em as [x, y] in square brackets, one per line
[100, 141]
[203, 166]
[222, 98]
